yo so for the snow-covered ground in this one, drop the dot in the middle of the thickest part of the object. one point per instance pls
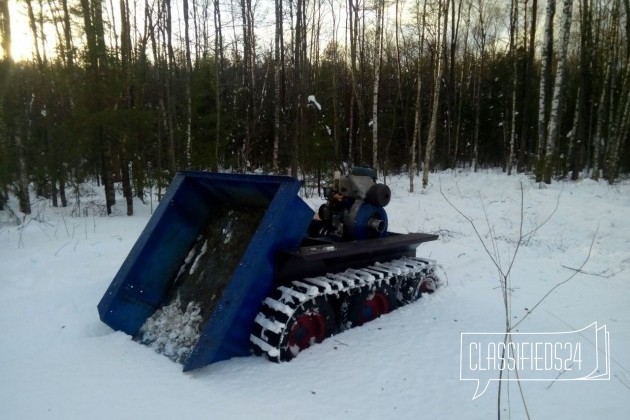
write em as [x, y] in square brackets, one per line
[58, 361]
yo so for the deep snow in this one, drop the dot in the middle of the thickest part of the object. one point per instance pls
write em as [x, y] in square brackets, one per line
[58, 361]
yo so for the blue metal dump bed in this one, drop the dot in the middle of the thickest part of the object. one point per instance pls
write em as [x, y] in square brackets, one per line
[212, 239]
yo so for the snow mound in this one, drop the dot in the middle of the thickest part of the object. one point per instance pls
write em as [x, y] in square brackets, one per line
[173, 332]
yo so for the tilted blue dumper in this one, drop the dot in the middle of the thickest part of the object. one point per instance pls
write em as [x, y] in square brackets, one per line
[234, 264]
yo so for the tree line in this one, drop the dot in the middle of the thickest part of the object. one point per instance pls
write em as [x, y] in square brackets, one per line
[128, 92]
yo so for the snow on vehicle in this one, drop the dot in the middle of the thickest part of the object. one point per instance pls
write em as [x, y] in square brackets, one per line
[231, 264]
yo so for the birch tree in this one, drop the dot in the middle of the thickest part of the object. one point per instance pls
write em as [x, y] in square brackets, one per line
[431, 138]
[545, 67]
[378, 43]
[572, 135]
[558, 91]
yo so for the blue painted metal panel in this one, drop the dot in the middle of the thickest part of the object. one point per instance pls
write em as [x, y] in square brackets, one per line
[146, 276]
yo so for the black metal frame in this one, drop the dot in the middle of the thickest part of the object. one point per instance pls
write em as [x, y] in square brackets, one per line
[316, 257]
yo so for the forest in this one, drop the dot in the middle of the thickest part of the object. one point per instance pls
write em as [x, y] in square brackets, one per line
[127, 92]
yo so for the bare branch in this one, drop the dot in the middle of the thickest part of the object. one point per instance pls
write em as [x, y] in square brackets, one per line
[553, 212]
[485, 247]
[588, 256]
[602, 275]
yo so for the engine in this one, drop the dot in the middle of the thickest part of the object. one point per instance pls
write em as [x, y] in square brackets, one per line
[354, 207]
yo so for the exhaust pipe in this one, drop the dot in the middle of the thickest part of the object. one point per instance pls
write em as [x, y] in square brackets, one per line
[376, 224]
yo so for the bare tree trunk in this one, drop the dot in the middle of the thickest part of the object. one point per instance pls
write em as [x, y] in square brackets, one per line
[378, 40]
[22, 184]
[34, 30]
[68, 46]
[23, 181]
[478, 85]
[300, 32]
[169, 105]
[598, 138]
[513, 51]
[580, 157]
[416, 133]
[5, 35]
[361, 129]
[620, 138]
[417, 130]
[103, 140]
[431, 138]
[155, 172]
[545, 67]
[97, 59]
[278, 108]
[558, 96]
[572, 136]
[218, 71]
[188, 86]
[22, 193]
[5, 29]
[335, 128]
[618, 108]
[248, 79]
[477, 94]
[397, 37]
[354, 102]
[69, 59]
[461, 89]
[524, 154]
[126, 102]
[196, 31]
[451, 87]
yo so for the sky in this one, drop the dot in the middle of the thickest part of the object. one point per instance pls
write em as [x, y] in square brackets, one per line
[264, 16]
[22, 40]
[22, 43]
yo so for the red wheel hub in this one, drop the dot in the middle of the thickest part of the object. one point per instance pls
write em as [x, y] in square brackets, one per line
[308, 329]
[374, 307]
[427, 285]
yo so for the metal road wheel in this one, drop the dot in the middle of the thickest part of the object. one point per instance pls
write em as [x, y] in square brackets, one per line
[412, 290]
[428, 284]
[369, 305]
[311, 323]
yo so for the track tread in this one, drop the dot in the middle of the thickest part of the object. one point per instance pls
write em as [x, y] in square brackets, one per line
[277, 313]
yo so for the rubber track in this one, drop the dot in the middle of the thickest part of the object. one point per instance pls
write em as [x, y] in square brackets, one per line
[272, 321]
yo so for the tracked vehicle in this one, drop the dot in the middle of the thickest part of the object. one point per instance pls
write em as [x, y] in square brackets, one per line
[233, 264]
